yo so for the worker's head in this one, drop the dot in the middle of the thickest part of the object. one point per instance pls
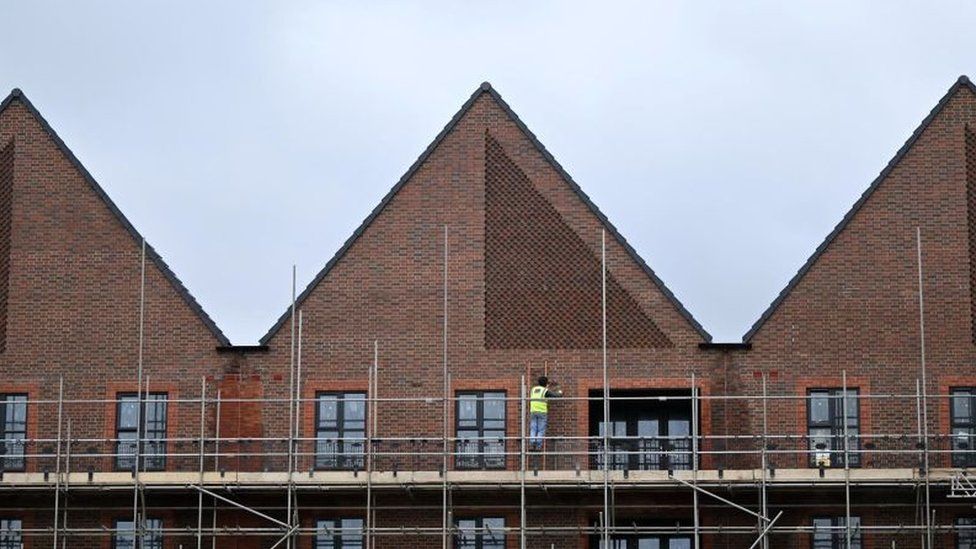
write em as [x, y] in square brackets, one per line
[544, 381]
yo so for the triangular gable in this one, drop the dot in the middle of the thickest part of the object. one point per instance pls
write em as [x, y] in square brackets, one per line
[962, 82]
[486, 88]
[17, 95]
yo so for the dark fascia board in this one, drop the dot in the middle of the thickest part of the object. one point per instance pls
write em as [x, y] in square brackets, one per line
[730, 346]
[242, 349]
[962, 82]
[483, 89]
[17, 95]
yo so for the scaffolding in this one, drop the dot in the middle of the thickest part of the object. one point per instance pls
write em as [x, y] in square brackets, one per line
[719, 473]
[764, 463]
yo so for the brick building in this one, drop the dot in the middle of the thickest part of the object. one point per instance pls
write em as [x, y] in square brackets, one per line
[398, 417]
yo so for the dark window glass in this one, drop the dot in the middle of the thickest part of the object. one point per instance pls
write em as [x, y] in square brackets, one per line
[644, 541]
[963, 426]
[153, 415]
[830, 533]
[966, 533]
[825, 427]
[339, 533]
[10, 535]
[480, 533]
[480, 430]
[13, 414]
[340, 430]
[645, 434]
[125, 535]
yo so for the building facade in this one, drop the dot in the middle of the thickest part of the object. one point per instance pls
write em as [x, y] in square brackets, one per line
[388, 406]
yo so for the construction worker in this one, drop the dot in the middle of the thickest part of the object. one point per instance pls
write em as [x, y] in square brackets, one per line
[539, 411]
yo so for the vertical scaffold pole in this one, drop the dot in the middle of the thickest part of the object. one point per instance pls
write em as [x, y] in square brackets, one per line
[57, 467]
[374, 430]
[606, 396]
[203, 434]
[139, 397]
[925, 391]
[297, 396]
[694, 453]
[522, 464]
[67, 479]
[919, 445]
[847, 465]
[444, 465]
[213, 535]
[369, 448]
[763, 496]
[291, 402]
[444, 525]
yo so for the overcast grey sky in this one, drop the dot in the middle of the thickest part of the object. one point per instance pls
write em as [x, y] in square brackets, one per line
[724, 139]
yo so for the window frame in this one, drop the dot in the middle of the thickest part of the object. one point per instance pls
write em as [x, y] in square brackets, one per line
[338, 539]
[341, 459]
[479, 532]
[155, 400]
[483, 458]
[838, 538]
[963, 457]
[834, 423]
[20, 460]
[632, 540]
[636, 452]
[967, 536]
[158, 543]
[10, 537]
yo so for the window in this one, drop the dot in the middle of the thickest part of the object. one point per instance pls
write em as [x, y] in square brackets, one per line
[480, 430]
[341, 533]
[650, 433]
[13, 413]
[480, 533]
[966, 533]
[963, 426]
[644, 541]
[830, 533]
[153, 415]
[340, 430]
[125, 535]
[10, 536]
[825, 427]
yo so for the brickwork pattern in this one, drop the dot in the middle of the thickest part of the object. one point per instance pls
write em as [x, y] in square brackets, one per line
[542, 282]
[971, 217]
[6, 195]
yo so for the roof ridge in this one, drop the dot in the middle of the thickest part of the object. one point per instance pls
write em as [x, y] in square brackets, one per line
[487, 88]
[17, 95]
[962, 82]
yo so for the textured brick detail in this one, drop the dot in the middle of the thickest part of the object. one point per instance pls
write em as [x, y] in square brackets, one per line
[6, 196]
[971, 211]
[542, 282]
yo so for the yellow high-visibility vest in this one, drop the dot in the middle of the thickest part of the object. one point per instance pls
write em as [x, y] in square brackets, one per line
[538, 403]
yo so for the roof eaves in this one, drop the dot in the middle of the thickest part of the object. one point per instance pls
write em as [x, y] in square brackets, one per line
[962, 82]
[18, 95]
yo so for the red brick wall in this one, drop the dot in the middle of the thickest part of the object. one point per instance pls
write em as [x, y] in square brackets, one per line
[856, 308]
[71, 288]
[388, 288]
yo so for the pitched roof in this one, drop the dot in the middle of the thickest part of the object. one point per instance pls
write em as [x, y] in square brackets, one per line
[17, 95]
[962, 82]
[486, 88]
